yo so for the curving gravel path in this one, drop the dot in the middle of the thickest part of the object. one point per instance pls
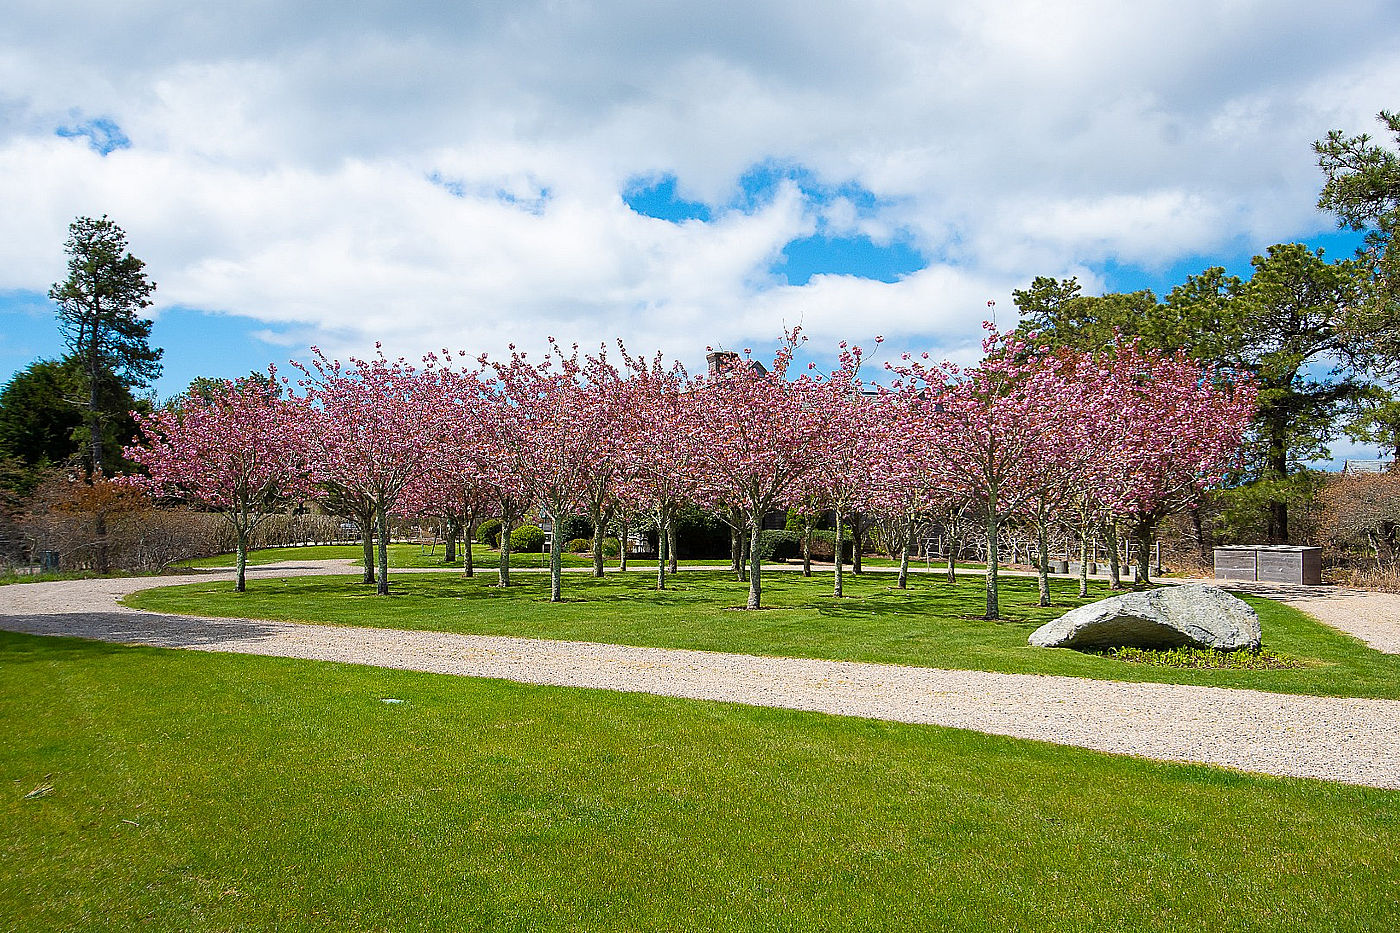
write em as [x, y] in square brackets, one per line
[1352, 740]
[1365, 614]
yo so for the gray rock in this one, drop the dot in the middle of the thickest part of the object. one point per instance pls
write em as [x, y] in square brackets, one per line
[1192, 614]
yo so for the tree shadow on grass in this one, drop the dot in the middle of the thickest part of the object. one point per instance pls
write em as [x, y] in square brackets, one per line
[145, 628]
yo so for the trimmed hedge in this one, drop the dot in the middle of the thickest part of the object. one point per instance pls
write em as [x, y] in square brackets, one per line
[778, 545]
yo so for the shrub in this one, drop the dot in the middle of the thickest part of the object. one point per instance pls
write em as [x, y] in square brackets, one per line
[611, 547]
[778, 545]
[579, 546]
[824, 546]
[489, 532]
[527, 538]
[573, 527]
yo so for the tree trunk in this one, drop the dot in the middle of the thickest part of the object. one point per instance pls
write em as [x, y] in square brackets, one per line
[624, 532]
[1201, 548]
[556, 562]
[755, 568]
[468, 570]
[806, 549]
[1042, 543]
[836, 580]
[366, 521]
[503, 571]
[904, 554]
[94, 416]
[736, 551]
[993, 600]
[99, 530]
[382, 584]
[1144, 552]
[662, 541]
[1276, 459]
[857, 542]
[449, 548]
[241, 583]
[1115, 576]
[599, 531]
[1083, 562]
[671, 544]
[953, 548]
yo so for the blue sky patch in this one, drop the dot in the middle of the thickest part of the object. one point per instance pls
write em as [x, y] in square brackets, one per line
[853, 255]
[656, 197]
[103, 135]
[1336, 244]
[197, 343]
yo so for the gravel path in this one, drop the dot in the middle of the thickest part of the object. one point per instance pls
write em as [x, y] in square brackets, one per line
[1368, 615]
[1352, 740]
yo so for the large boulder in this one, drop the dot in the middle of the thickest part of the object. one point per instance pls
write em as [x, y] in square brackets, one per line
[1192, 614]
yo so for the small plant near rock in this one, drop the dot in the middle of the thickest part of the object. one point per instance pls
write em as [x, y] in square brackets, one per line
[1187, 657]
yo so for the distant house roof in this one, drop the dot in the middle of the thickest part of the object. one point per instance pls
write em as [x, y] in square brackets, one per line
[1366, 466]
[722, 361]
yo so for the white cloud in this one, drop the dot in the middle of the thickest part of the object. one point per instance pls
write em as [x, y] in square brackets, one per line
[282, 154]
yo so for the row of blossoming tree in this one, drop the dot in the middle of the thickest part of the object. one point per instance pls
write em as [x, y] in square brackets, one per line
[1028, 435]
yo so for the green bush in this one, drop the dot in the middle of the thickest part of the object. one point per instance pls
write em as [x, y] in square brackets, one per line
[575, 526]
[527, 538]
[489, 532]
[778, 545]
[824, 546]
[585, 546]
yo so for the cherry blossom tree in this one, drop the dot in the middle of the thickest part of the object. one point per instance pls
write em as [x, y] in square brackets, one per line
[548, 432]
[1173, 430]
[243, 452]
[655, 446]
[984, 425]
[376, 423]
[849, 448]
[608, 392]
[750, 432]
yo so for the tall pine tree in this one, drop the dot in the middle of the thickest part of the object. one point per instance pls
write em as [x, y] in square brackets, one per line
[98, 307]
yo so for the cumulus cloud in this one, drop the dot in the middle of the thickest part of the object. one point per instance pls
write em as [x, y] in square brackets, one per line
[453, 174]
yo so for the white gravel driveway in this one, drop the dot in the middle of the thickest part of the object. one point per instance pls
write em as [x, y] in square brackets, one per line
[1351, 740]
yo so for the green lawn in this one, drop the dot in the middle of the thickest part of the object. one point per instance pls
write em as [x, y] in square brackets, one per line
[932, 624]
[414, 556]
[189, 791]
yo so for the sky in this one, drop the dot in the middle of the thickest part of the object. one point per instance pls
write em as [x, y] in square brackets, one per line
[678, 175]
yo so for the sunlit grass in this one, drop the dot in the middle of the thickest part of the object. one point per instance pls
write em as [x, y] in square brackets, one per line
[185, 791]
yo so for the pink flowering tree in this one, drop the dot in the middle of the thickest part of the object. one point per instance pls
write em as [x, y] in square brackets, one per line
[1173, 430]
[496, 455]
[376, 423]
[242, 452]
[608, 396]
[849, 448]
[985, 426]
[549, 429]
[654, 447]
[750, 432]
